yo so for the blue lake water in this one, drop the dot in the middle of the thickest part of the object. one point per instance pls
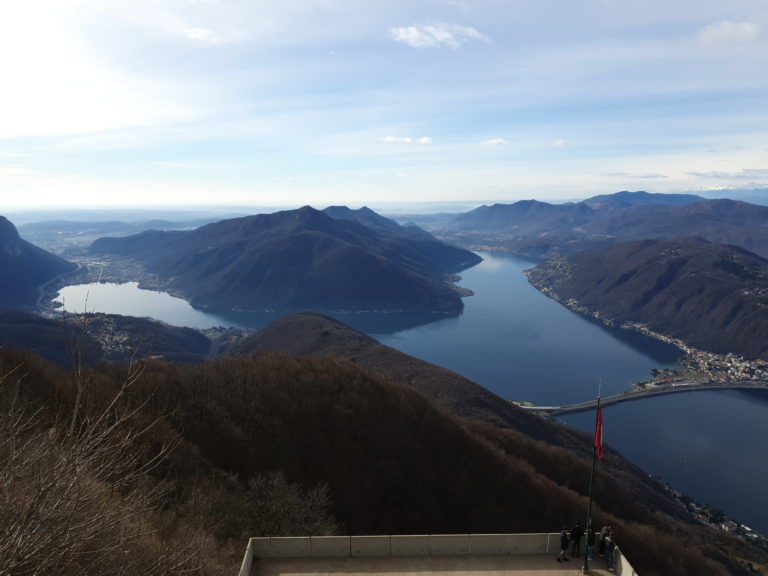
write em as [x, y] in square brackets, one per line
[524, 346]
[128, 300]
[709, 445]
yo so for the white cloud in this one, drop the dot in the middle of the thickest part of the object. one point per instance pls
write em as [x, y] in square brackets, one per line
[494, 142]
[728, 33]
[562, 144]
[203, 35]
[744, 174]
[630, 176]
[436, 36]
[405, 140]
[396, 139]
[189, 165]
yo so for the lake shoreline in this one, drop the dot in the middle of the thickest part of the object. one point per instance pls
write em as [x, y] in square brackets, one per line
[720, 367]
[506, 339]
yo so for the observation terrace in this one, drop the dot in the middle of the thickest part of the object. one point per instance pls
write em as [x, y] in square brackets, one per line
[418, 555]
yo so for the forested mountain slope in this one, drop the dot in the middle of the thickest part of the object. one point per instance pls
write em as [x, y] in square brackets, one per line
[24, 268]
[299, 259]
[274, 445]
[100, 338]
[711, 296]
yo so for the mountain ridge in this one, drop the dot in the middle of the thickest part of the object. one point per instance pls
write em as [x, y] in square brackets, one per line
[24, 268]
[540, 230]
[299, 259]
[313, 334]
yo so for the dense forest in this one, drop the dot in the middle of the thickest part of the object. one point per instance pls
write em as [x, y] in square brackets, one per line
[154, 467]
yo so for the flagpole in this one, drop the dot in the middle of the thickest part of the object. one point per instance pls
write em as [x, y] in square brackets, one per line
[598, 424]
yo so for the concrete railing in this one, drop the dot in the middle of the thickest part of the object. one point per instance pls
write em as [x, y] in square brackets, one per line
[409, 545]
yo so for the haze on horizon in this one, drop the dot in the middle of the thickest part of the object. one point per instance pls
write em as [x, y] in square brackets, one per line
[229, 102]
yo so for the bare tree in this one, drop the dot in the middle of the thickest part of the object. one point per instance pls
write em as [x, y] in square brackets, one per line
[77, 495]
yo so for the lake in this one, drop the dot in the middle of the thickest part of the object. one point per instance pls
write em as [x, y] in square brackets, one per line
[128, 300]
[524, 346]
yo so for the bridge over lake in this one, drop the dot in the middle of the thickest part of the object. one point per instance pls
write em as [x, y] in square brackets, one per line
[647, 391]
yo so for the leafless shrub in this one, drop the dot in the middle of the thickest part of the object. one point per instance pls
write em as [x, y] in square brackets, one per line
[76, 496]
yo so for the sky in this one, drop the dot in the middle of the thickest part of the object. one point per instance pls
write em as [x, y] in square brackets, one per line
[175, 103]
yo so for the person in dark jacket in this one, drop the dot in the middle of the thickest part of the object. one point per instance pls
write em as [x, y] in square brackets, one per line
[563, 556]
[576, 533]
[591, 537]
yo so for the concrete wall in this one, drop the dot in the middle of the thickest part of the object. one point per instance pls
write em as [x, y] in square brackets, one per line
[408, 545]
[530, 544]
[371, 545]
[489, 544]
[416, 545]
[247, 564]
[623, 567]
[449, 544]
[259, 547]
[290, 547]
[330, 546]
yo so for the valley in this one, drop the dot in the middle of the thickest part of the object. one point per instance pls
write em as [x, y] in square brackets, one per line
[505, 340]
[495, 351]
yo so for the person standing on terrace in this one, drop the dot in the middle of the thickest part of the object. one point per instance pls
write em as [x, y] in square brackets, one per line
[591, 537]
[576, 533]
[563, 556]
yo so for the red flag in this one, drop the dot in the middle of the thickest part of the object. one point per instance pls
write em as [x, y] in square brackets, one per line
[599, 432]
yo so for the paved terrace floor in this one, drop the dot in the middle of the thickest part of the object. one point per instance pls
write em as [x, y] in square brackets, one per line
[508, 565]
